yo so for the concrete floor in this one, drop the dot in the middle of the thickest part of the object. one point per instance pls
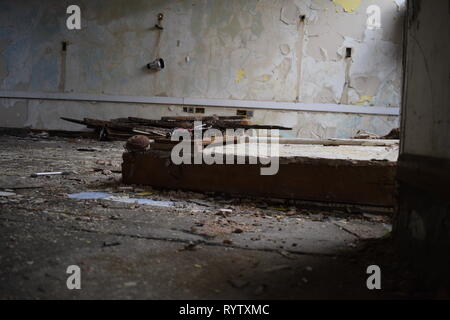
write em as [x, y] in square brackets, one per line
[201, 247]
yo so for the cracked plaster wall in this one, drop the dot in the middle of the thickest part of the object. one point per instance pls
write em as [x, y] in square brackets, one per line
[250, 50]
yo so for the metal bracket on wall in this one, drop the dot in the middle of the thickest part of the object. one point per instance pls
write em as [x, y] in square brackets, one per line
[159, 24]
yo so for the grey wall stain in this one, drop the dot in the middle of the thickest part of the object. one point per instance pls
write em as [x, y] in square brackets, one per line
[13, 113]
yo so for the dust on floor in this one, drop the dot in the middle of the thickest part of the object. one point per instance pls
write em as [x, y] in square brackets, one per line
[201, 246]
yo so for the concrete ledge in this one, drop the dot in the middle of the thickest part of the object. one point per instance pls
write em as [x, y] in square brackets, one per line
[327, 180]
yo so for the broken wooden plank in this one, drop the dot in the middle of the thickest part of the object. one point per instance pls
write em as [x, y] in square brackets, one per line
[74, 121]
[163, 123]
[220, 124]
[99, 124]
[203, 118]
[327, 142]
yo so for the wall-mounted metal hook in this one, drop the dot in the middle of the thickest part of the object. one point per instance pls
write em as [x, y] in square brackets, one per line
[159, 24]
[156, 65]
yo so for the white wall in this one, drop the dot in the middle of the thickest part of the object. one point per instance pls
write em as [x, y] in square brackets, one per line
[247, 50]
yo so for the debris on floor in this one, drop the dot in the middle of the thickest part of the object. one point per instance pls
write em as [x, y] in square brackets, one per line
[107, 220]
[125, 128]
[394, 134]
[55, 173]
[110, 197]
[7, 194]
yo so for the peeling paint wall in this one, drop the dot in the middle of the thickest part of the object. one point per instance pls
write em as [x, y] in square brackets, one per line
[265, 50]
[374, 73]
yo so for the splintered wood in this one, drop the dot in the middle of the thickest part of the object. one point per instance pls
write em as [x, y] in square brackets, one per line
[124, 128]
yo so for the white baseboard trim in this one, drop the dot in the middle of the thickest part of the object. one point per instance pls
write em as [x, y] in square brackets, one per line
[230, 103]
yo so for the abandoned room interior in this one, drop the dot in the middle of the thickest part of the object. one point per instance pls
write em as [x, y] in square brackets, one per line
[212, 149]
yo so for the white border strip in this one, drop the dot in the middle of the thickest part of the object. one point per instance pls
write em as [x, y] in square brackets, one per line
[245, 104]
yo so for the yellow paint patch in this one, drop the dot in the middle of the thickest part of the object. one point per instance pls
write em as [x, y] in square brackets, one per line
[240, 75]
[266, 77]
[348, 5]
[363, 100]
